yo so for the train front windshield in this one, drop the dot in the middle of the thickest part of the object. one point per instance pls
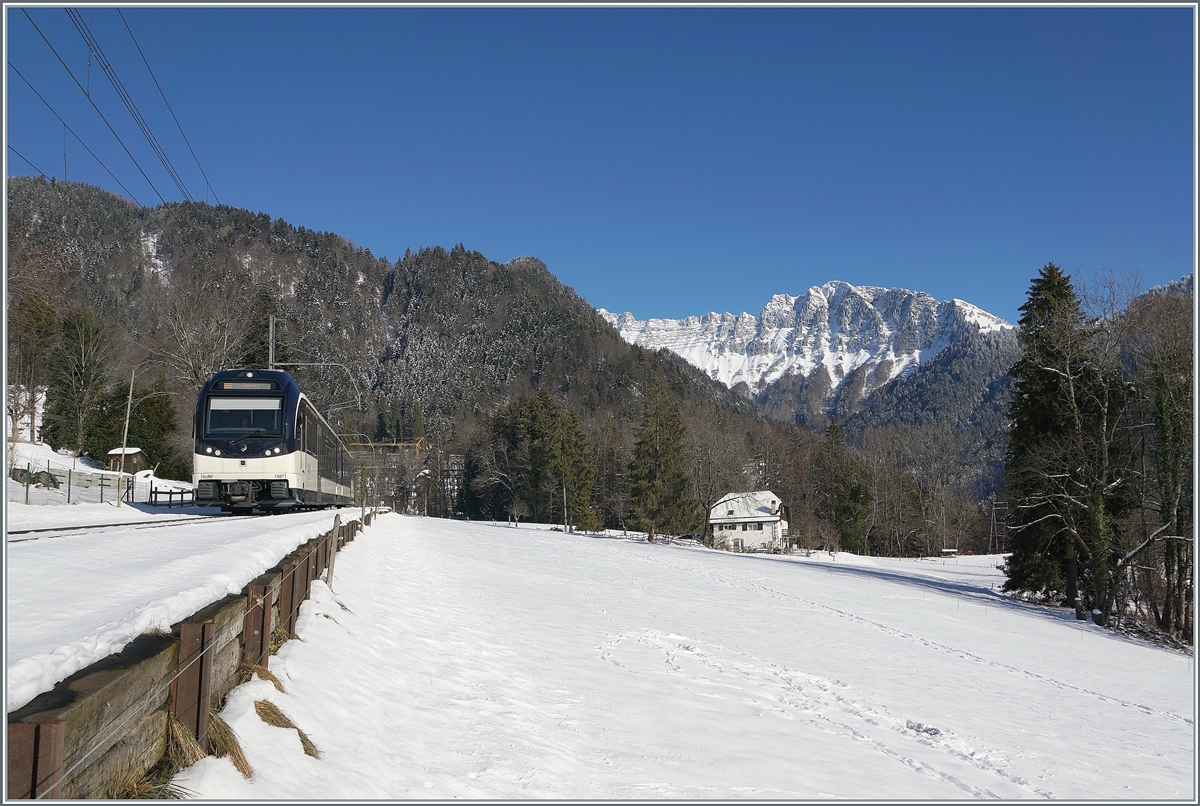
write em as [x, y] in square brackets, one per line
[238, 417]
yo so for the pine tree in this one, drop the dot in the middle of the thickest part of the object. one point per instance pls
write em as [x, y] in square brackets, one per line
[658, 488]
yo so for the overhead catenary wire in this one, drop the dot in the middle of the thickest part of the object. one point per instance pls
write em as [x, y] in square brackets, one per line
[31, 165]
[93, 103]
[207, 184]
[73, 134]
[111, 73]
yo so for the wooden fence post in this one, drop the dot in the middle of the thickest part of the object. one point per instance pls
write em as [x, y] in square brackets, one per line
[334, 547]
[286, 596]
[258, 624]
[310, 566]
[35, 759]
[297, 587]
[191, 690]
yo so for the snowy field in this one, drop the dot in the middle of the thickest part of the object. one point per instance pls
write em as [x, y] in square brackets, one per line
[74, 597]
[456, 660]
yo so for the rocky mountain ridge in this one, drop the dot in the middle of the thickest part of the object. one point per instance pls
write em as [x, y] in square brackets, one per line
[838, 341]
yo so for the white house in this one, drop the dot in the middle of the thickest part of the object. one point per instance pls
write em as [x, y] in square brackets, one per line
[756, 521]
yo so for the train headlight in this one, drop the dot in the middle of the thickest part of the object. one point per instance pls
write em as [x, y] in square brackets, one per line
[278, 449]
[218, 451]
[208, 449]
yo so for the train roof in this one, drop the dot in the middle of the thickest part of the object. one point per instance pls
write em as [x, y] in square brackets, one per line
[279, 376]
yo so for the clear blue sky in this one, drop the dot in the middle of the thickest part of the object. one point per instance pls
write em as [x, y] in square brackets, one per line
[662, 161]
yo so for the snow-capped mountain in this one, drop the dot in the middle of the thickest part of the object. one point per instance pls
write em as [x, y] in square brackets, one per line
[830, 335]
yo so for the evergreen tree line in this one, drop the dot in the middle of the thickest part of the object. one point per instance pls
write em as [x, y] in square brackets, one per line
[1099, 465]
[902, 494]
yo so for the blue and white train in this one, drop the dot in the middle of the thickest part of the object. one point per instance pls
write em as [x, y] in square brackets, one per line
[261, 444]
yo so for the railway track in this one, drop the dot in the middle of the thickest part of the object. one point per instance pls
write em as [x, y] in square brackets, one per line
[89, 530]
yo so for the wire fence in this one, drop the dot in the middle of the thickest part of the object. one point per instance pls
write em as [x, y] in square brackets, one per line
[50, 484]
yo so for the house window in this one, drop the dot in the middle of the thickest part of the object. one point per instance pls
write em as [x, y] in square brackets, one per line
[758, 527]
[729, 513]
[745, 526]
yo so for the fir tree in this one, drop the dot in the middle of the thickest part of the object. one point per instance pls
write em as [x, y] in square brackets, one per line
[572, 463]
[258, 339]
[1072, 472]
[846, 491]
[1043, 559]
[417, 428]
[151, 425]
[658, 488]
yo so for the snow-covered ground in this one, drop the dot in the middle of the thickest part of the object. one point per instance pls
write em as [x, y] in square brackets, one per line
[39, 453]
[80, 485]
[456, 660]
[72, 598]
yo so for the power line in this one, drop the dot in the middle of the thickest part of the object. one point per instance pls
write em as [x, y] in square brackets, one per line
[93, 103]
[31, 165]
[111, 73]
[169, 109]
[76, 136]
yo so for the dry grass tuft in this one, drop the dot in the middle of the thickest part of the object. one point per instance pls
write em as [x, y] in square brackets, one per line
[269, 712]
[182, 748]
[130, 784]
[248, 670]
[222, 741]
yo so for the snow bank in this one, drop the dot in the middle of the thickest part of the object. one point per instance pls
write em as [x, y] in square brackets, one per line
[74, 599]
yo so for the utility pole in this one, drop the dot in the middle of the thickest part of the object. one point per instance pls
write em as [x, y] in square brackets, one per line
[271, 345]
[125, 436]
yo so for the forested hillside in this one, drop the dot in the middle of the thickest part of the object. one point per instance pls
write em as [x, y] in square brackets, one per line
[443, 346]
[189, 288]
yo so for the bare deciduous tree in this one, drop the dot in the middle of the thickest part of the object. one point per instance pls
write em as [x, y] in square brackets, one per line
[200, 325]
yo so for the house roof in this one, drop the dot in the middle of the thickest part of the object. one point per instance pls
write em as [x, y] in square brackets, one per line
[763, 505]
[128, 451]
